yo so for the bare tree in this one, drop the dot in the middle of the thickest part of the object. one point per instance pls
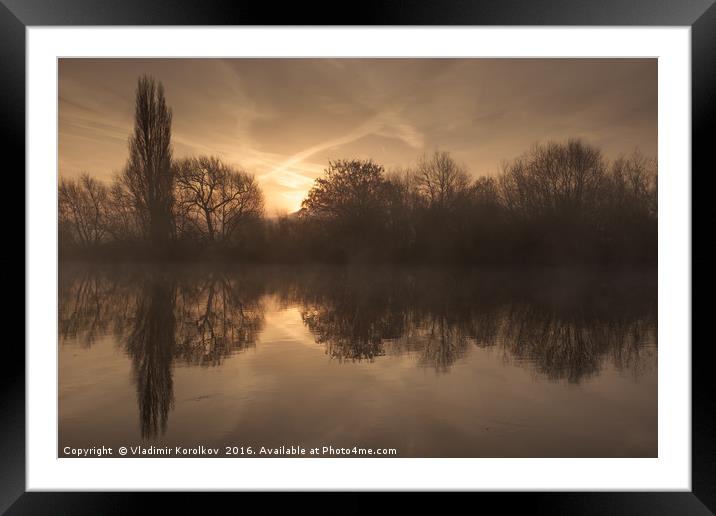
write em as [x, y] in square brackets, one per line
[124, 222]
[215, 197]
[441, 180]
[484, 191]
[148, 174]
[82, 210]
[554, 179]
[632, 183]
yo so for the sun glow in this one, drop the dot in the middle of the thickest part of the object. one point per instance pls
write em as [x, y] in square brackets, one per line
[293, 200]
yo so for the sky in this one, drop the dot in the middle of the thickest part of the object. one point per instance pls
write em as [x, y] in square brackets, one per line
[284, 119]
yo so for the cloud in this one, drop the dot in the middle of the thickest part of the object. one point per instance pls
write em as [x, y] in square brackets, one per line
[281, 119]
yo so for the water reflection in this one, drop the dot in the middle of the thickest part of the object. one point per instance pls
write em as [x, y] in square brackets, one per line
[160, 317]
[562, 325]
[219, 315]
[151, 342]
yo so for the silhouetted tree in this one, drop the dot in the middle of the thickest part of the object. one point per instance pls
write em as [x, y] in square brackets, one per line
[440, 198]
[215, 198]
[440, 180]
[148, 174]
[349, 190]
[124, 222]
[553, 195]
[484, 192]
[349, 205]
[627, 215]
[404, 203]
[557, 203]
[82, 210]
[631, 186]
[554, 180]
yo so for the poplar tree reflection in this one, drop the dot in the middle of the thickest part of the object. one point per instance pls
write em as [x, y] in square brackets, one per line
[151, 344]
[200, 316]
[161, 317]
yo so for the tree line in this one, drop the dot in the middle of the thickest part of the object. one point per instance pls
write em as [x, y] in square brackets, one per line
[559, 202]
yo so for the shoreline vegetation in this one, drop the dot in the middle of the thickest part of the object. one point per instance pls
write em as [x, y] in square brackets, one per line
[559, 203]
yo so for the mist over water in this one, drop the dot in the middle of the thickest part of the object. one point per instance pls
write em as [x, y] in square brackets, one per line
[435, 362]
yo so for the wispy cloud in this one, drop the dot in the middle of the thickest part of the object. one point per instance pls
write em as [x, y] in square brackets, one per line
[281, 119]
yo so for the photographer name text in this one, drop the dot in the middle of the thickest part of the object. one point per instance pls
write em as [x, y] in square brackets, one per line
[227, 451]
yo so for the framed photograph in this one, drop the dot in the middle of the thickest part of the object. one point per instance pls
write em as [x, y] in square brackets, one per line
[421, 249]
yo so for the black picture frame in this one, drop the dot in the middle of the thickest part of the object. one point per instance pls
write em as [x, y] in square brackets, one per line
[16, 15]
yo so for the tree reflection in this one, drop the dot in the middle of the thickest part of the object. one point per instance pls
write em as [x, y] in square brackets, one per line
[562, 327]
[352, 317]
[160, 317]
[444, 344]
[219, 316]
[151, 344]
[90, 305]
[563, 334]
[573, 346]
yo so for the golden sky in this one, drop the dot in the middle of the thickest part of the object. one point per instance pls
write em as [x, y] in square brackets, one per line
[283, 119]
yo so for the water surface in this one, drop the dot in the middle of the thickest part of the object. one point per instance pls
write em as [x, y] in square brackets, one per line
[431, 362]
